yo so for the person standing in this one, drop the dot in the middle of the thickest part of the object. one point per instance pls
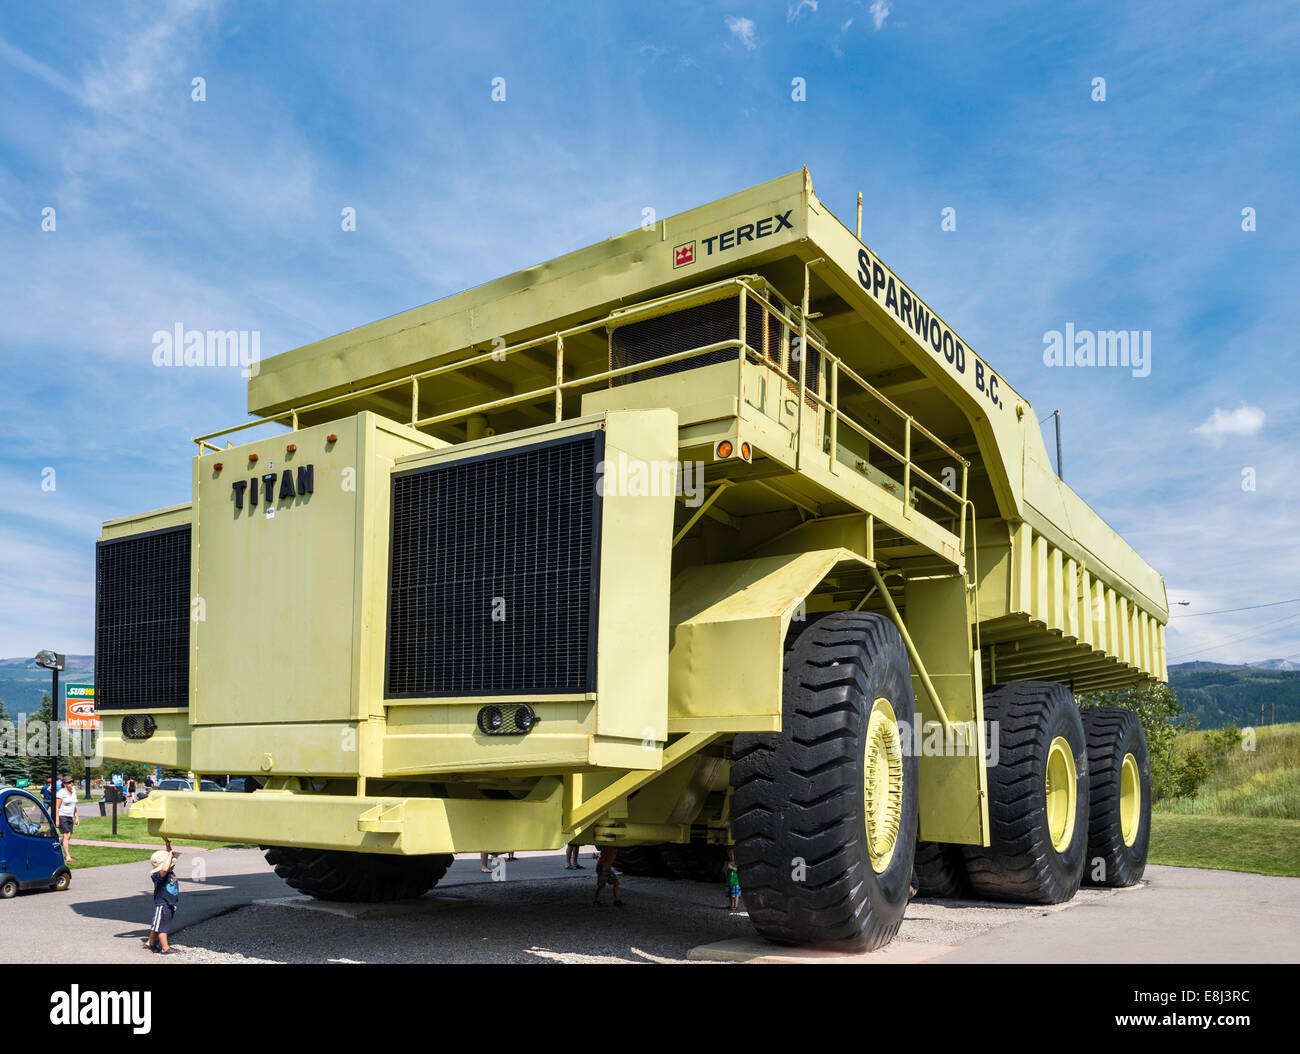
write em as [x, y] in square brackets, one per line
[166, 897]
[733, 880]
[68, 818]
[606, 875]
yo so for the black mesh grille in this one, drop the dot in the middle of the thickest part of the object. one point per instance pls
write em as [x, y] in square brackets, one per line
[142, 621]
[700, 326]
[495, 565]
[692, 327]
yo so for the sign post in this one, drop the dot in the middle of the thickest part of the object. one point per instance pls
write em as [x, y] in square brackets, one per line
[79, 708]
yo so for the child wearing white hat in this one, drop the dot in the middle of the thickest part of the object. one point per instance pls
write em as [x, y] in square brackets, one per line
[166, 896]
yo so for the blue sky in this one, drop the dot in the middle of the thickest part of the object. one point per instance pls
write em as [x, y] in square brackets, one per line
[225, 214]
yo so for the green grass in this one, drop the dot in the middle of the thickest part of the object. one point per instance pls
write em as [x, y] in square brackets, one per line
[1268, 846]
[1264, 782]
[1246, 816]
[130, 829]
[98, 856]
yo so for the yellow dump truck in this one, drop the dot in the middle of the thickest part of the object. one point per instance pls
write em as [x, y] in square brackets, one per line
[713, 538]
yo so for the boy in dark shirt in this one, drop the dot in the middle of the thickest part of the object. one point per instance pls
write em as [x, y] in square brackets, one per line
[166, 895]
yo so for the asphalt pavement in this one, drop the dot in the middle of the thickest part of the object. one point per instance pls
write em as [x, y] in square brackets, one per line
[235, 910]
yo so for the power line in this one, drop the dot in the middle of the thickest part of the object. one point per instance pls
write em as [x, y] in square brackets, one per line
[1226, 611]
[1268, 627]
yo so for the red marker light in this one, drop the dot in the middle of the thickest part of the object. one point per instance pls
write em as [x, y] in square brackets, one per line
[331, 438]
[218, 466]
[291, 448]
[252, 457]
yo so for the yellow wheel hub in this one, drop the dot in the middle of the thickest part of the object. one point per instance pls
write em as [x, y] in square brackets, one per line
[1130, 799]
[1062, 794]
[882, 781]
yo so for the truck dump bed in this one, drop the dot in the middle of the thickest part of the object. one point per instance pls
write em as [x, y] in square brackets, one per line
[890, 418]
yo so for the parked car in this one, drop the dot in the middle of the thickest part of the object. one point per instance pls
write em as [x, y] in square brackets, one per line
[175, 783]
[30, 854]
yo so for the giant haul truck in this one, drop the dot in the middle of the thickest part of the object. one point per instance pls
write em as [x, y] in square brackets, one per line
[713, 538]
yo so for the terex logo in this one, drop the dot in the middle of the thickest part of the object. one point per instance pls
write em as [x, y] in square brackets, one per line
[684, 254]
[267, 486]
[748, 232]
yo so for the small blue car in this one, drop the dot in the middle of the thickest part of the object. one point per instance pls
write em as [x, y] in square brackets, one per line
[30, 854]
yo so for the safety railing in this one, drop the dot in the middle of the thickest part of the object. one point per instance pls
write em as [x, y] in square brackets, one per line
[826, 395]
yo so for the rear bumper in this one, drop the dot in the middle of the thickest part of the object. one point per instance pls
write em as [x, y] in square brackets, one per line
[405, 826]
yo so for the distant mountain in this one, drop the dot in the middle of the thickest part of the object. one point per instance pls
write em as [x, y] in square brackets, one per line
[1276, 664]
[1219, 694]
[22, 682]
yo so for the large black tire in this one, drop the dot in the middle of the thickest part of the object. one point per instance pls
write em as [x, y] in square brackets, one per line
[799, 808]
[1112, 734]
[643, 860]
[1022, 864]
[329, 874]
[940, 871]
[698, 862]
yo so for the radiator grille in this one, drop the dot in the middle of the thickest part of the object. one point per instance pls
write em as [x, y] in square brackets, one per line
[142, 621]
[495, 563]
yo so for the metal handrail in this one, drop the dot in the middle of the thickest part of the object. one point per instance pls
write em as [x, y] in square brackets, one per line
[793, 319]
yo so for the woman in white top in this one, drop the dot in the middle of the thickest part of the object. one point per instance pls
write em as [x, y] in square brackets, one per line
[68, 818]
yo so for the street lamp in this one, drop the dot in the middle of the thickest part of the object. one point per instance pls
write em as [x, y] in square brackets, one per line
[54, 662]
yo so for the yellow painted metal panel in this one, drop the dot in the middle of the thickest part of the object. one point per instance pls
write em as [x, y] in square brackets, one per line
[313, 749]
[1071, 598]
[1055, 591]
[1086, 632]
[1039, 610]
[169, 745]
[635, 573]
[155, 520]
[313, 561]
[325, 821]
[954, 792]
[728, 630]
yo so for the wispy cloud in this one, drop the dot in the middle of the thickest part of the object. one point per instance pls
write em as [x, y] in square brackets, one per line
[744, 31]
[880, 12]
[23, 62]
[794, 11]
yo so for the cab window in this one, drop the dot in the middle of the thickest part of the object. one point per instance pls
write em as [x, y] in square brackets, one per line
[26, 817]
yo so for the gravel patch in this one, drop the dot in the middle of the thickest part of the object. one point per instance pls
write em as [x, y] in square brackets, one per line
[537, 920]
[533, 921]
